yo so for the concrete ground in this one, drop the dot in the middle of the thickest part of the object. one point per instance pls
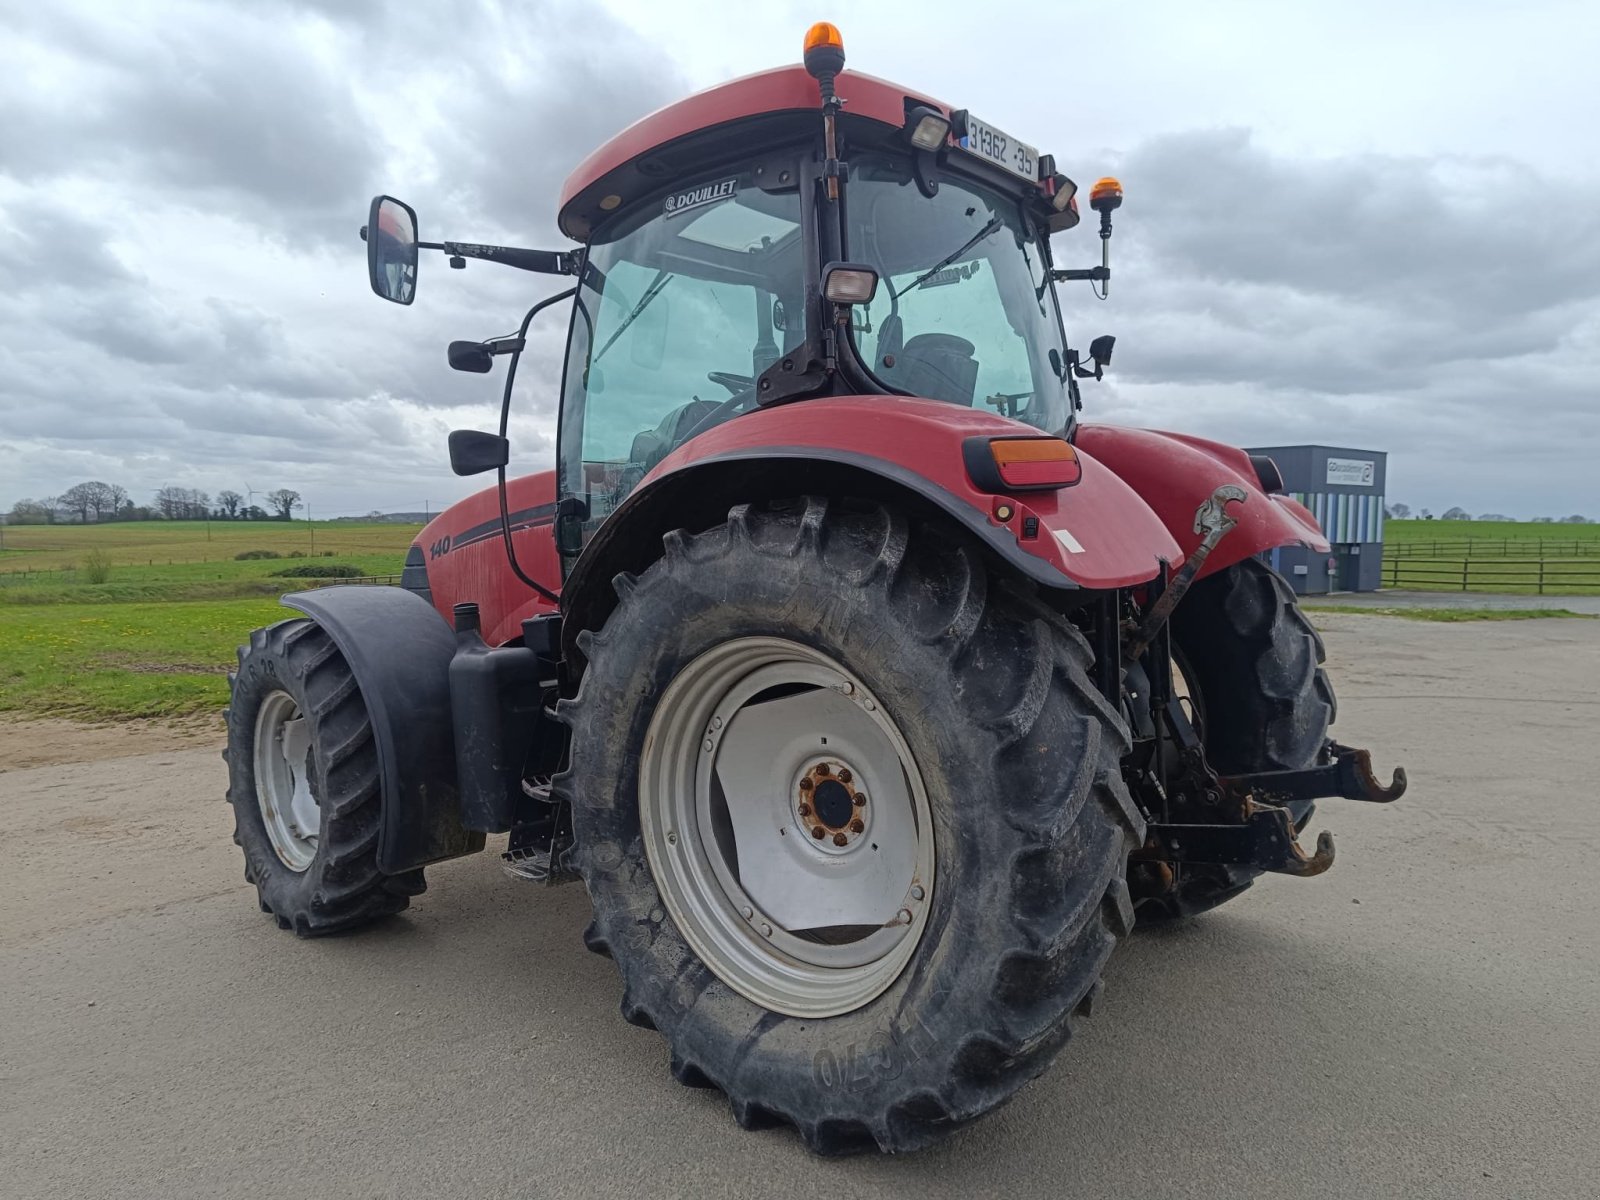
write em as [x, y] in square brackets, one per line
[1422, 1021]
[1401, 598]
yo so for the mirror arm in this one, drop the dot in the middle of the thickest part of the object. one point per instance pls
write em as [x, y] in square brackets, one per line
[1081, 275]
[544, 262]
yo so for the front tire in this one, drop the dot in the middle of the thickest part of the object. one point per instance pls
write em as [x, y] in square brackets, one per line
[1010, 762]
[304, 785]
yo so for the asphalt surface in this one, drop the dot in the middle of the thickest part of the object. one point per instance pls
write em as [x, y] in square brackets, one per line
[1424, 1020]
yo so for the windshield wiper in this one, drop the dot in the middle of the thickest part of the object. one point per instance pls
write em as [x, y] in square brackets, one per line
[650, 293]
[994, 223]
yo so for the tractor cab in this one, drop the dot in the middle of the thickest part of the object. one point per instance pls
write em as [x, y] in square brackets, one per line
[795, 234]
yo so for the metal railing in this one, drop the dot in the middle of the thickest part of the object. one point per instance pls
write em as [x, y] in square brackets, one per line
[1465, 573]
[1541, 547]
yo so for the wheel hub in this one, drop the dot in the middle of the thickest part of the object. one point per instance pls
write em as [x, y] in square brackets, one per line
[830, 809]
[787, 826]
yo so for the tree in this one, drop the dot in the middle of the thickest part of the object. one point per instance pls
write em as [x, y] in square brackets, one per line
[79, 498]
[182, 504]
[254, 513]
[228, 502]
[116, 499]
[1456, 514]
[1544, 520]
[1574, 519]
[1496, 517]
[1399, 511]
[33, 512]
[284, 502]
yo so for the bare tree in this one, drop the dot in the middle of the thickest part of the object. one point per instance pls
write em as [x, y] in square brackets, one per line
[33, 512]
[79, 498]
[117, 498]
[1574, 519]
[1399, 511]
[169, 502]
[285, 502]
[228, 502]
[1455, 514]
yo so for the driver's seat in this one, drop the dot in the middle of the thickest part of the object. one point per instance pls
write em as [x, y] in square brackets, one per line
[651, 446]
[939, 366]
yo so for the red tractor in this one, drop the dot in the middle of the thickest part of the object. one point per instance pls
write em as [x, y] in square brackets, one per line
[872, 695]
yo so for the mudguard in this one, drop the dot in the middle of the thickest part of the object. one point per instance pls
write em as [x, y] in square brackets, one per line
[399, 650]
[1174, 473]
[1095, 534]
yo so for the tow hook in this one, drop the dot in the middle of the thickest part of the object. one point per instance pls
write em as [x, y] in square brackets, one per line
[1348, 774]
[1266, 840]
[1211, 519]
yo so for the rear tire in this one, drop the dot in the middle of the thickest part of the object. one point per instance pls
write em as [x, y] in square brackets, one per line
[1264, 702]
[1019, 755]
[294, 688]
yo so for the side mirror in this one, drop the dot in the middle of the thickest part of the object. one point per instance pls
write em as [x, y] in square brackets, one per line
[473, 452]
[391, 234]
[1100, 349]
[471, 356]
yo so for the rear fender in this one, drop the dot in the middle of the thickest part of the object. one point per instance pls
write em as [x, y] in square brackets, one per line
[1096, 534]
[399, 650]
[1175, 473]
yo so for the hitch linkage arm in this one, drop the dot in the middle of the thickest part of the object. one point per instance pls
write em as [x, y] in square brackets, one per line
[1349, 775]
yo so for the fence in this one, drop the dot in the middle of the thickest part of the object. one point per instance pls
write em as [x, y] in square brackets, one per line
[1531, 548]
[1492, 573]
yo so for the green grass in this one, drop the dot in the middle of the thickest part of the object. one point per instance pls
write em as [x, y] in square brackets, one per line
[1486, 531]
[1453, 615]
[125, 660]
[156, 544]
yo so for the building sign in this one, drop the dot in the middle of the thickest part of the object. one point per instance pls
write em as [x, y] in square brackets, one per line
[1352, 472]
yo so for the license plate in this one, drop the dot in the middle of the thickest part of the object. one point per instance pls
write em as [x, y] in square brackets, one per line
[1001, 149]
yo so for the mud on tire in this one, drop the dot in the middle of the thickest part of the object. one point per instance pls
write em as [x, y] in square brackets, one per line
[341, 888]
[1032, 822]
[1264, 701]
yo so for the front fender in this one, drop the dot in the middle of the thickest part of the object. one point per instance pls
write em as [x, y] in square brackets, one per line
[1096, 534]
[399, 651]
[1174, 473]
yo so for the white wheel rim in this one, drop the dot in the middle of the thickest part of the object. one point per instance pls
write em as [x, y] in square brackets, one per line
[289, 809]
[753, 748]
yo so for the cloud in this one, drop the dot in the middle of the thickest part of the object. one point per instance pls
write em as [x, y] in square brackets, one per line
[183, 301]
[182, 294]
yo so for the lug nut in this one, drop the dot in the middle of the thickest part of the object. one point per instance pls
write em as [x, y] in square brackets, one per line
[844, 775]
[916, 892]
[824, 769]
[840, 839]
[904, 916]
[805, 809]
[806, 785]
[818, 832]
[857, 825]
[861, 799]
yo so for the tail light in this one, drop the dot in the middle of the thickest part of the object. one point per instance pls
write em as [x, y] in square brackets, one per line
[1021, 464]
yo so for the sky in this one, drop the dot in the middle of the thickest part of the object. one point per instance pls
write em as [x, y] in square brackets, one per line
[1363, 224]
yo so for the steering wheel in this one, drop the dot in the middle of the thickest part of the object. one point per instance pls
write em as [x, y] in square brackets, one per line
[734, 383]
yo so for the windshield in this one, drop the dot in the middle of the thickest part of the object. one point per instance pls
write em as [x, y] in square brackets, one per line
[963, 311]
[683, 304]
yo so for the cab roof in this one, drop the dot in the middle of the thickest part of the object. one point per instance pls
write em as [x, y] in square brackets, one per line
[658, 150]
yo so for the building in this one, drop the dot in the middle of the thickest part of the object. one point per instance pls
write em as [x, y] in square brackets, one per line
[1344, 489]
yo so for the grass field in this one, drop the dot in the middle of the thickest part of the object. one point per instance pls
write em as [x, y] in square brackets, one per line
[157, 637]
[152, 544]
[124, 660]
